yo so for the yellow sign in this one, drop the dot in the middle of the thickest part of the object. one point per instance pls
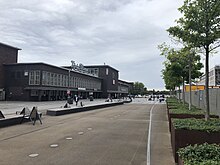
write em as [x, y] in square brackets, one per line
[195, 87]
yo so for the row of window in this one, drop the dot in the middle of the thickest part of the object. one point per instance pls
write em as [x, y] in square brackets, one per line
[60, 80]
[122, 89]
[93, 71]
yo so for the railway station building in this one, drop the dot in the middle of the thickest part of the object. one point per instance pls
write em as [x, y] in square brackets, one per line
[43, 82]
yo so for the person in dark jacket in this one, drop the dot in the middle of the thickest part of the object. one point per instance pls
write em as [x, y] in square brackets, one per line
[76, 98]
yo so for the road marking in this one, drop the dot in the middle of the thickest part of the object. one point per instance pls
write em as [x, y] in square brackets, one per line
[54, 145]
[69, 138]
[89, 129]
[80, 133]
[149, 135]
[33, 155]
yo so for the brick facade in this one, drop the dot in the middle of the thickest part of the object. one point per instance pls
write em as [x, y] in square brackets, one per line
[8, 54]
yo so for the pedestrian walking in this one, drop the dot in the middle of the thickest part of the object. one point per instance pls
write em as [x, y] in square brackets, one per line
[76, 98]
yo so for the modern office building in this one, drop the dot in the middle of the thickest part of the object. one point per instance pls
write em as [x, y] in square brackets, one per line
[42, 82]
[214, 77]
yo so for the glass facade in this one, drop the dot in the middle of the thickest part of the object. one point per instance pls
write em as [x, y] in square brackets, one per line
[60, 80]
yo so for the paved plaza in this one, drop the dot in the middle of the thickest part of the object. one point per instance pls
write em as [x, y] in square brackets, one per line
[11, 107]
[116, 135]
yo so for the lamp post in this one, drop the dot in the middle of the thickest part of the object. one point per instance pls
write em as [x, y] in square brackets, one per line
[68, 89]
[190, 82]
[184, 69]
[69, 80]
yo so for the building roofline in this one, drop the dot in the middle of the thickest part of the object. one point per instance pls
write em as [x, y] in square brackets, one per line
[125, 81]
[10, 46]
[100, 66]
[42, 63]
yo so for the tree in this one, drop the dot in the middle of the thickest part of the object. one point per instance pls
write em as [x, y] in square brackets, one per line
[172, 74]
[200, 27]
[171, 78]
[179, 67]
[139, 88]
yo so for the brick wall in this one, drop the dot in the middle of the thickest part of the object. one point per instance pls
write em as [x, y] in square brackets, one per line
[7, 55]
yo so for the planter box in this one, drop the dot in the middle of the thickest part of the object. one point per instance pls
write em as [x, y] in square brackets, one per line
[172, 107]
[184, 116]
[181, 138]
[64, 111]
[180, 161]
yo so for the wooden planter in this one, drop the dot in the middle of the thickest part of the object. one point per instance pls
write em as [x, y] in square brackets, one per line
[181, 138]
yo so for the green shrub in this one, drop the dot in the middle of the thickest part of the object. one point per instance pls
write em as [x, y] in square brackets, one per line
[212, 125]
[204, 154]
[171, 100]
[177, 107]
[184, 110]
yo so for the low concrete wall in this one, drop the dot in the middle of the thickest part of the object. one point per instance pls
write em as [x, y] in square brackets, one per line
[64, 111]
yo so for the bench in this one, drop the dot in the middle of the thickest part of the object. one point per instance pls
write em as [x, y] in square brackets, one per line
[10, 120]
[1, 115]
[32, 115]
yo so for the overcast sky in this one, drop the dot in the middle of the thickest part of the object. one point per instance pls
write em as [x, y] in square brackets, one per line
[121, 33]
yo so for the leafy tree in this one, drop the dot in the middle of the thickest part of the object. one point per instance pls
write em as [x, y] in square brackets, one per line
[171, 79]
[199, 27]
[139, 89]
[178, 65]
[172, 74]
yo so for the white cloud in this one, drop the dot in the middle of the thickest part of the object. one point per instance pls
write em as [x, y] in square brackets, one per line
[122, 33]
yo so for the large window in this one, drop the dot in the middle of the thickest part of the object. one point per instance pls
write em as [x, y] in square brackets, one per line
[94, 71]
[44, 76]
[60, 80]
[34, 77]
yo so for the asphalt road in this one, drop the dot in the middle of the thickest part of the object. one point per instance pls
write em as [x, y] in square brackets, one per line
[110, 136]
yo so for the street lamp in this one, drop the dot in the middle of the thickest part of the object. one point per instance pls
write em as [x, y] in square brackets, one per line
[190, 81]
[68, 90]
